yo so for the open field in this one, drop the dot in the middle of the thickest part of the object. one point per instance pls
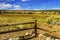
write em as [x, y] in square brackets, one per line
[45, 19]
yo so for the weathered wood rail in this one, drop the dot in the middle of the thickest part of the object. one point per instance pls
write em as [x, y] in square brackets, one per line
[16, 24]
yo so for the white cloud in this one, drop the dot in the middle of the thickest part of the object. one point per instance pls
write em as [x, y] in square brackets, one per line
[25, 0]
[3, 6]
[9, 6]
[36, 9]
[56, 8]
[17, 7]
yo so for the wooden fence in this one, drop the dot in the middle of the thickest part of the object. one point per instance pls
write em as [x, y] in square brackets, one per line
[34, 28]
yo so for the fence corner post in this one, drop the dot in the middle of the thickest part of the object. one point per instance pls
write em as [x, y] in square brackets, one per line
[35, 28]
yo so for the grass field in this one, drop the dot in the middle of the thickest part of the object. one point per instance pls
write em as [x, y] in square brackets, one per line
[47, 21]
[50, 17]
[19, 18]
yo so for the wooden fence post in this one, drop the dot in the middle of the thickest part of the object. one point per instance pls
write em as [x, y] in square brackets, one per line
[35, 28]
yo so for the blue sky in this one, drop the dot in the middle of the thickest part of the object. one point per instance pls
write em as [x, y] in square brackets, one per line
[29, 4]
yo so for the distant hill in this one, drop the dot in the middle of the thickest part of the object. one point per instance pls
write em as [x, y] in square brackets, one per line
[29, 11]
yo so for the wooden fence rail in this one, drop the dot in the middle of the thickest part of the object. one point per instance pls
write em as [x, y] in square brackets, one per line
[4, 25]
